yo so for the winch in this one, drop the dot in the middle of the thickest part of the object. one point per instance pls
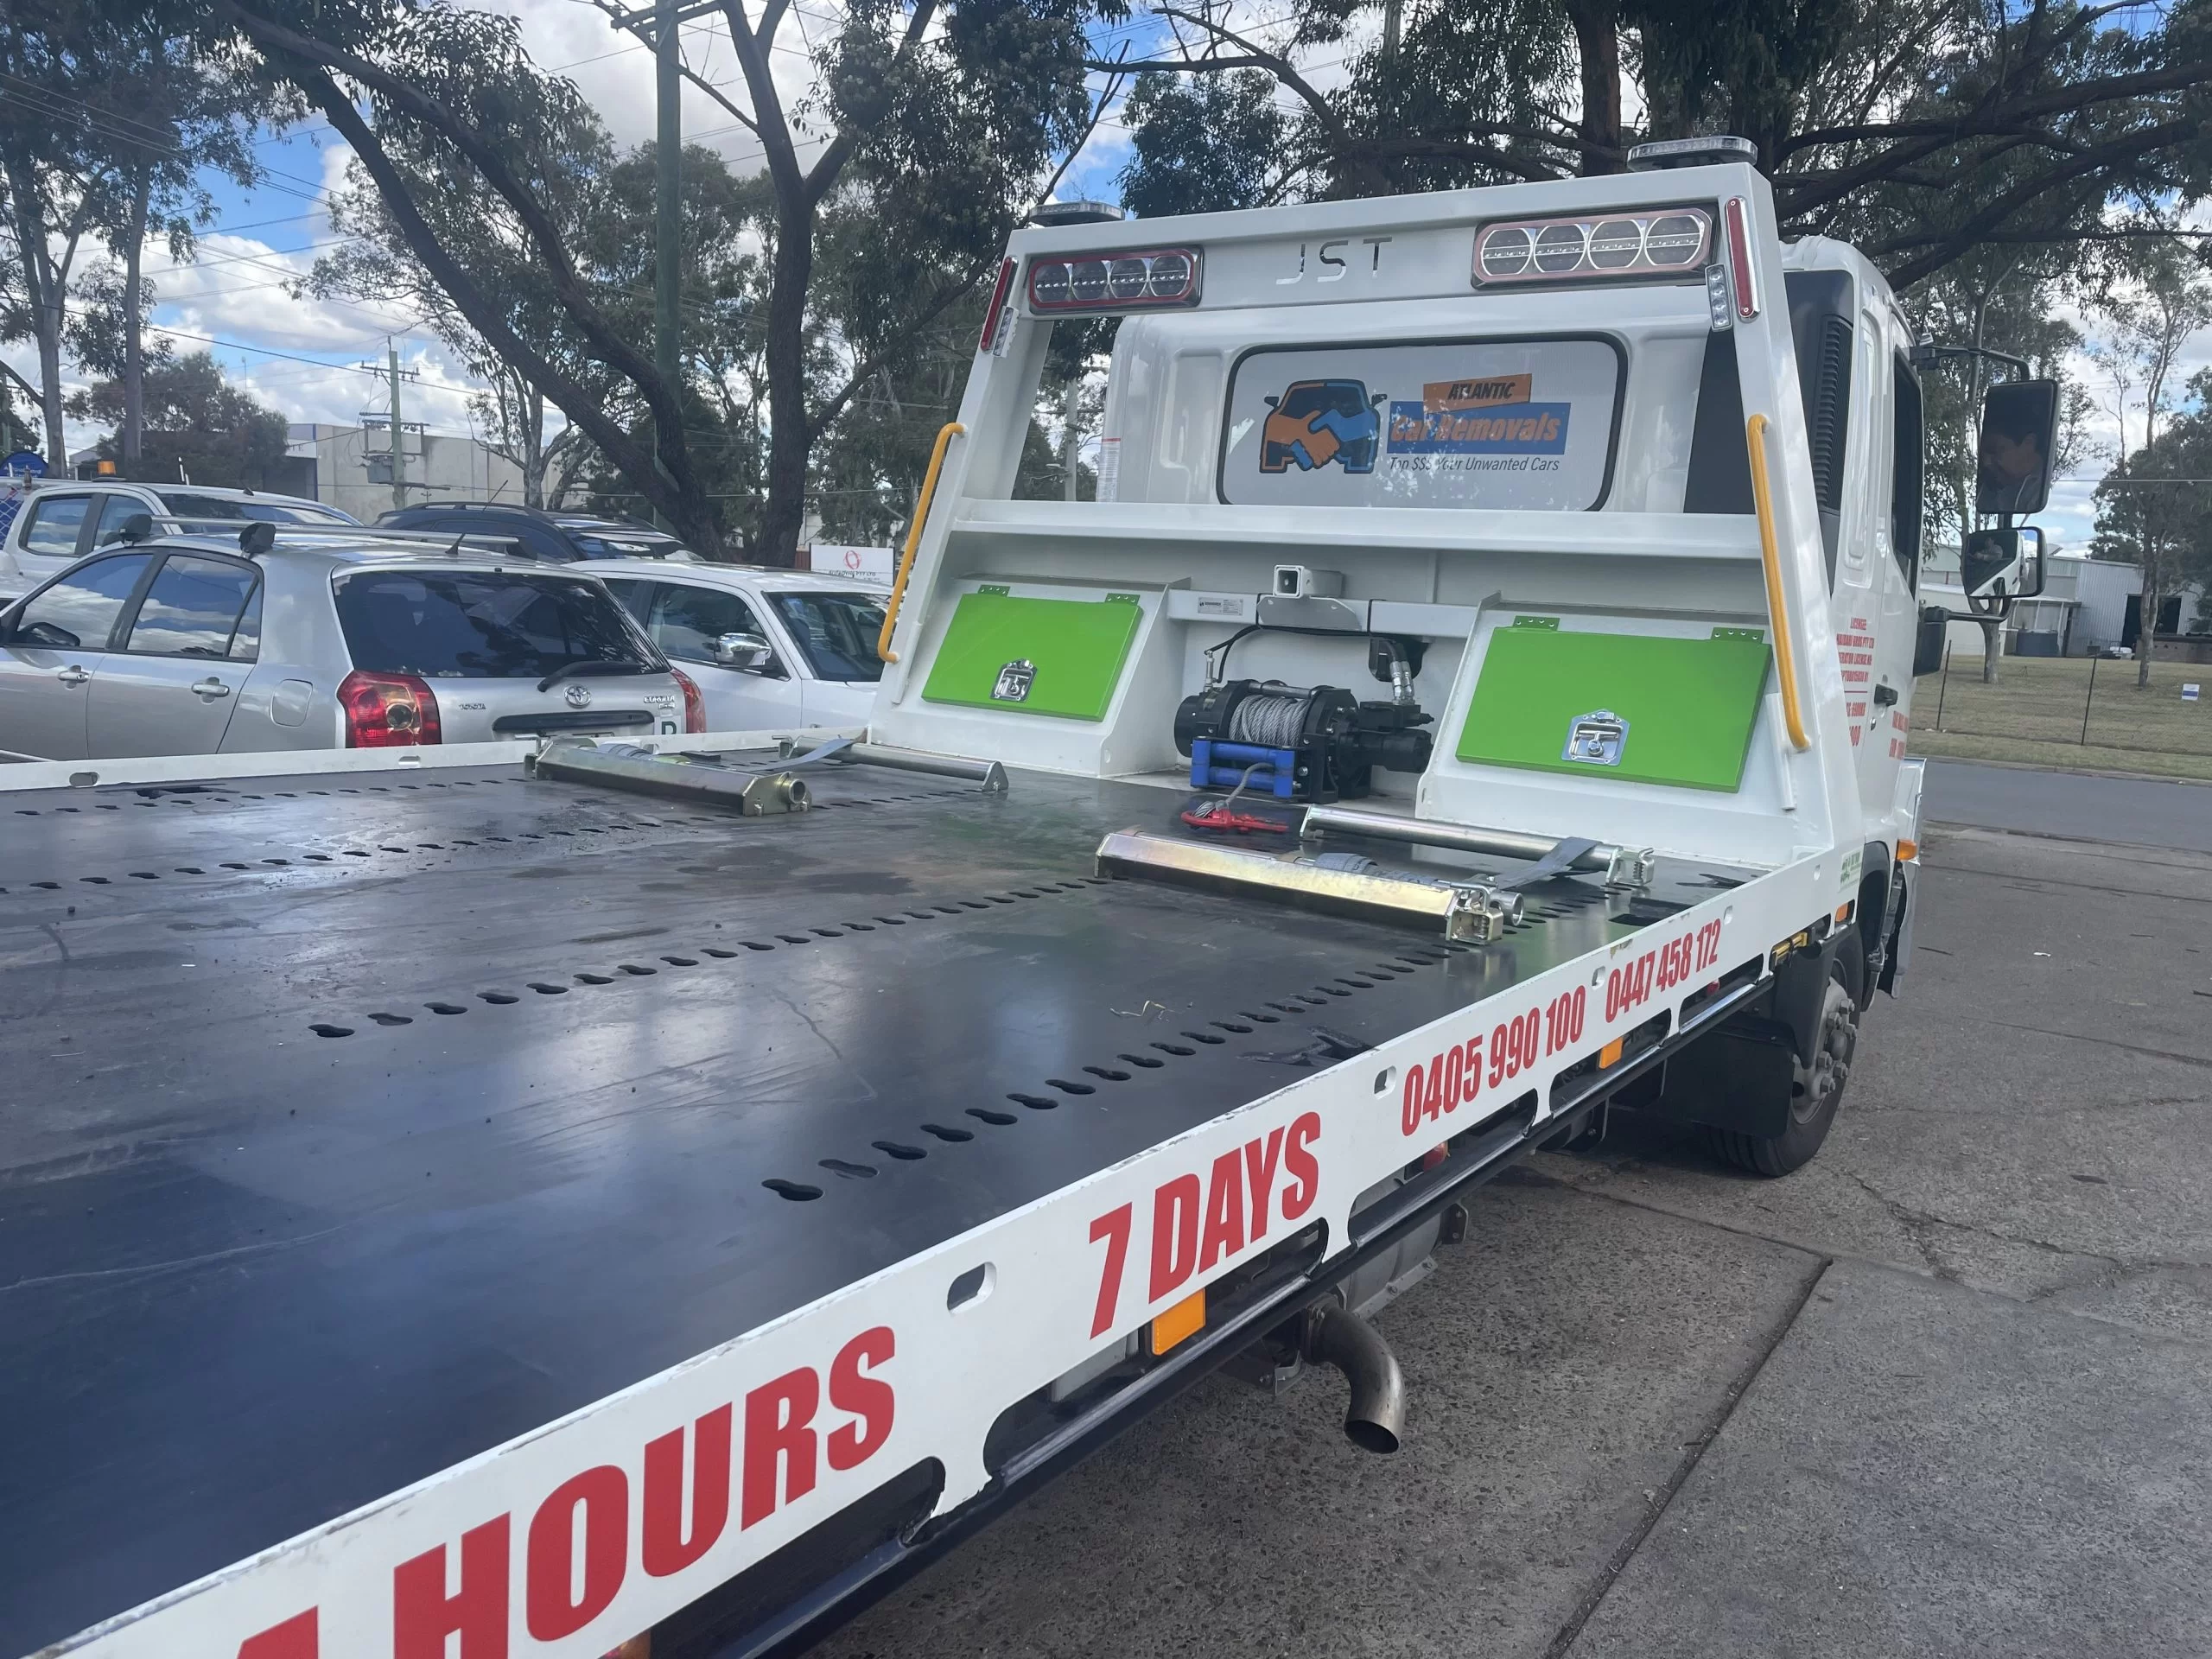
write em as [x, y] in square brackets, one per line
[1297, 743]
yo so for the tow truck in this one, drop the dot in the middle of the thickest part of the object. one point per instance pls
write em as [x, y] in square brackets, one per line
[531, 1200]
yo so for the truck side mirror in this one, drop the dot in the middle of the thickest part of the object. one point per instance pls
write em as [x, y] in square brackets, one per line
[2000, 566]
[2019, 433]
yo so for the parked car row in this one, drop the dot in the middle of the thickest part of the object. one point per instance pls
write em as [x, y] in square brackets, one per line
[184, 637]
[62, 523]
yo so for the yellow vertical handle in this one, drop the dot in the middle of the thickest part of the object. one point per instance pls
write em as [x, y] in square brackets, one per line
[944, 437]
[1777, 608]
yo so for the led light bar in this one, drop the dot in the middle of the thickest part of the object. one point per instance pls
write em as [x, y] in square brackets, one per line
[1636, 247]
[1115, 281]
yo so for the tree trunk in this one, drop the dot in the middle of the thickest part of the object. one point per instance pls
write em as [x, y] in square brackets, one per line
[1598, 43]
[1992, 644]
[785, 514]
[533, 448]
[133, 435]
[43, 300]
[2148, 632]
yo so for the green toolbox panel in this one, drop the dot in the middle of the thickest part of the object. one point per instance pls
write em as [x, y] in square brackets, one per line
[1034, 656]
[1633, 706]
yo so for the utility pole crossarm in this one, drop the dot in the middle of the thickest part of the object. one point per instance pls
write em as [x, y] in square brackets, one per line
[646, 18]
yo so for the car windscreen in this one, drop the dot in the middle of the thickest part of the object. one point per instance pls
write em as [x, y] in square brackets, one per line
[185, 505]
[837, 631]
[483, 625]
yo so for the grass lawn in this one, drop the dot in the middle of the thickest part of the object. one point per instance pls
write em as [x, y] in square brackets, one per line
[2032, 715]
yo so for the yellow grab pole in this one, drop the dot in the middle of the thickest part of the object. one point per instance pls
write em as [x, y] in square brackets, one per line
[944, 437]
[1778, 608]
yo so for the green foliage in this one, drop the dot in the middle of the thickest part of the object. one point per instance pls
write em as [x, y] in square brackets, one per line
[196, 419]
[2166, 528]
[1203, 145]
[1922, 131]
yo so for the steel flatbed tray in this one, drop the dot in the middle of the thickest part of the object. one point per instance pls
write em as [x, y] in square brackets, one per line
[360, 1123]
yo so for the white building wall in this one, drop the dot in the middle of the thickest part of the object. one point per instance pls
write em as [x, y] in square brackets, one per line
[2084, 601]
[352, 467]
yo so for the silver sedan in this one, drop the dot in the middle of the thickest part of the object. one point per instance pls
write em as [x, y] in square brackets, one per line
[319, 639]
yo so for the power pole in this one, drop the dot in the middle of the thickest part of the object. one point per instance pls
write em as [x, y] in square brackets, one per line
[668, 152]
[398, 454]
[1392, 28]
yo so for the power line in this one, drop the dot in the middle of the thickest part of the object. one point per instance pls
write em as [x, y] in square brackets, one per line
[294, 357]
[54, 105]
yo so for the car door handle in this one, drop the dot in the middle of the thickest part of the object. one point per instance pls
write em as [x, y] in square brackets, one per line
[73, 675]
[210, 689]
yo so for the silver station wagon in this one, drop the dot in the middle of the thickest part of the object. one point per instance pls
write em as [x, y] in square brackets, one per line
[316, 637]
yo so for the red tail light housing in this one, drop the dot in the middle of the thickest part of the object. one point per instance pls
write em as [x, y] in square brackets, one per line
[388, 711]
[694, 702]
[997, 309]
[1737, 218]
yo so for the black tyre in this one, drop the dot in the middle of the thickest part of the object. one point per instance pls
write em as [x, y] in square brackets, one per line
[1815, 1091]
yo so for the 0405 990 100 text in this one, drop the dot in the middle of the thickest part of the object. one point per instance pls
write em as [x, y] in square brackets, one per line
[1457, 1076]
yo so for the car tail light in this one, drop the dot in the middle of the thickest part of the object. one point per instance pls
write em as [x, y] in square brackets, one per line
[1739, 257]
[997, 306]
[388, 711]
[695, 704]
[1593, 247]
[1147, 279]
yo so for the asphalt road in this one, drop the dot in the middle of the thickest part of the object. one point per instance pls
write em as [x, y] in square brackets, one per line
[2082, 805]
[1946, 1391]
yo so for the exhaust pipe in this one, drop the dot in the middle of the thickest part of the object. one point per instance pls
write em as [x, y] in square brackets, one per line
[1375, 1420]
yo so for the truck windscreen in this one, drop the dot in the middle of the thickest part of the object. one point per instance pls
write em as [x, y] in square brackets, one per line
[481, 625]
[1507, 424]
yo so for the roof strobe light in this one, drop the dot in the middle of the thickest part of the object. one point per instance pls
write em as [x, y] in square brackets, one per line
[1660, 243]
[1143, 280]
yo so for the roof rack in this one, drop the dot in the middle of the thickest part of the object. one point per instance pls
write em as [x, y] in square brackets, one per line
[173, 523]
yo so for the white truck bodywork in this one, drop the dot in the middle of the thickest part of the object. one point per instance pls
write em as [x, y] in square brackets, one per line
[1382, 274]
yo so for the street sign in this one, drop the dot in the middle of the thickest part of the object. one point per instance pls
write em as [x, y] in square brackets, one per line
[879, 562]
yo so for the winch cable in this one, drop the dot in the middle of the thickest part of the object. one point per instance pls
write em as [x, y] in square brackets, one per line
[1270, 720]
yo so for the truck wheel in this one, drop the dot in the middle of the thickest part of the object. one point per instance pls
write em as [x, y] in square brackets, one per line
[1815, 1090]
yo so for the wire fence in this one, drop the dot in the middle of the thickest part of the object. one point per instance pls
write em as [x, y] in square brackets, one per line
[2081, 702]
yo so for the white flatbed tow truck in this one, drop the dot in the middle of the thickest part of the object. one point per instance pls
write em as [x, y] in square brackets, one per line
[496, 1203]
